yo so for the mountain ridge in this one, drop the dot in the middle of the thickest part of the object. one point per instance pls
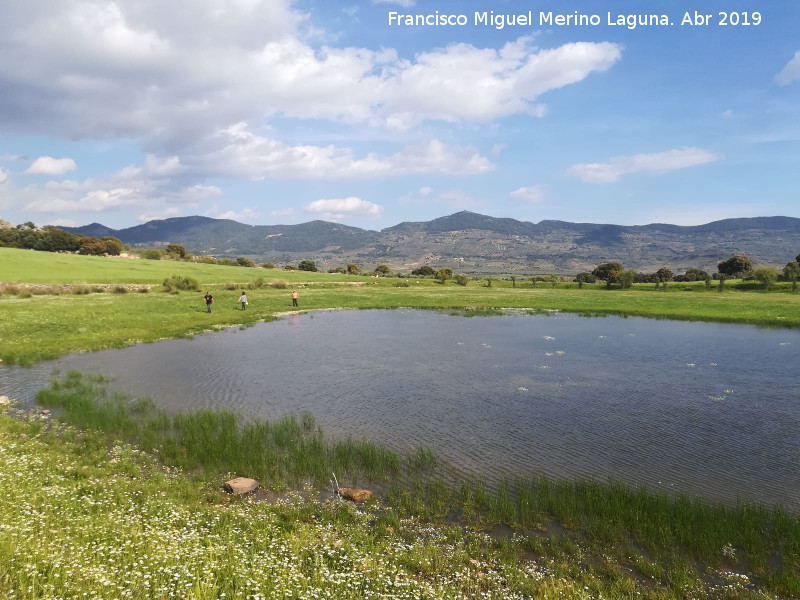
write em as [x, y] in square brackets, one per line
[472, 242]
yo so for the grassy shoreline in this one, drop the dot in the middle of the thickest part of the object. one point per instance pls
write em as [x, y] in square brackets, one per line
[551, 538]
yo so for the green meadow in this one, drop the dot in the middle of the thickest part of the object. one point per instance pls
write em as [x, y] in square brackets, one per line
[115, 498]
[50, 320]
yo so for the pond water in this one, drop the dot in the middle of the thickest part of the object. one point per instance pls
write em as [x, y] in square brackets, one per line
[706, 409]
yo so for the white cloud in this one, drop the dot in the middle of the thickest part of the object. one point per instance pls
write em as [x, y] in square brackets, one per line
[424, 191]
[236, 151]
[46, 165]
[11, 157]
[534, 194]
[63, 222]
[337, 209]
[791, 72]
[99, 69]
[3, 175]
[462, 83]
[727, 114]
[618, 166]
[246, 215]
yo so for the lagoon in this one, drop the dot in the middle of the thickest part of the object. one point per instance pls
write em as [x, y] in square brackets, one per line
[706, 409]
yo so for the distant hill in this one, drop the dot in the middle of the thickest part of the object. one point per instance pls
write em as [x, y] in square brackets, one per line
[473, 243]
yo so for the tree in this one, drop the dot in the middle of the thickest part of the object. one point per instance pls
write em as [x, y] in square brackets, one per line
[533, 282]
[513, 281]
[792, 272]
[585, 278]
[152, 253]
[243, 261]
[608, 272]
[444, 274]
[553, 280]
[353, 269]
[267, 265]
[424, 271]
[176, 250]
[461, 279]
[708, 280]
[735, 266]
[722, 278]
[307, 265]
[113, 245]
[382, 270]
[340, 270]
[694, 275]
[766, 275]
[664, 274]
[92, 246]
[626, 277]
[54, 239]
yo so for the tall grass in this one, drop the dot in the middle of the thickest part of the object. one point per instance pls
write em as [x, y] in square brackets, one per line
[279, 454]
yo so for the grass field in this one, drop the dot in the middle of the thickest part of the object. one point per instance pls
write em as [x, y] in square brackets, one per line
[46, 323]
[88, 513]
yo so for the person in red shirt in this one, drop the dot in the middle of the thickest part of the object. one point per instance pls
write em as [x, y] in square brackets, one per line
[294, 297]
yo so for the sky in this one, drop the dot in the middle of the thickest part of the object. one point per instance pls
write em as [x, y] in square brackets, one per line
[281, 112]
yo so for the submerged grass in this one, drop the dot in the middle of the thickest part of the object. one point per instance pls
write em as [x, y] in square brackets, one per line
[280, 454]
[604, 540]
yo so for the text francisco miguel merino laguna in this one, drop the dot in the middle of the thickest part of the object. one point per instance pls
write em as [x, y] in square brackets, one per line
[544, 19]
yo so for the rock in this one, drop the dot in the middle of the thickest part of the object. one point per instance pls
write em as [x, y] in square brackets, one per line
[4, 401]
[44, 412]
[240, 485]
[355, 494]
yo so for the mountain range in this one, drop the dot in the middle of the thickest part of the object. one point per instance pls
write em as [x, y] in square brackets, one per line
[473, 243]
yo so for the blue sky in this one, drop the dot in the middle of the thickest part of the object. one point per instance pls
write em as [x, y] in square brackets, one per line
[273, 111]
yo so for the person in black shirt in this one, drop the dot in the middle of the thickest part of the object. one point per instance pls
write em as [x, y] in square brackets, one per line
[209, 300]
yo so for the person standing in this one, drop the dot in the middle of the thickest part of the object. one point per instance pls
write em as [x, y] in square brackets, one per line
[294, 297]
[209, 300]
[243, 300]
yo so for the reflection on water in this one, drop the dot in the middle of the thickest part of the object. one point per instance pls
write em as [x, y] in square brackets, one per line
[707, 409]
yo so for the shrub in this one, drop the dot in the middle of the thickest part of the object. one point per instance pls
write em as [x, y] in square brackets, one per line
[268, 265]
[401, 284]
[81, 289]
[461, 279]
[209, 260]
[144, 290]
[337, 270]
[228, 262]
[152, 254]
[230, 286]
[113, 245]
[289, 268]
[176, 282]
[280, 285]
[10, 289]
[424, 271]
[120, 289]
